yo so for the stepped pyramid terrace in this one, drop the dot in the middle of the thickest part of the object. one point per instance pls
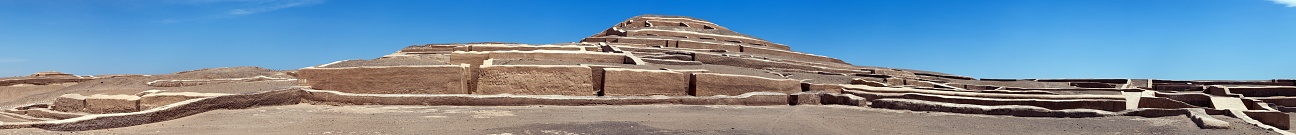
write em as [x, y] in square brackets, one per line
[649, 74]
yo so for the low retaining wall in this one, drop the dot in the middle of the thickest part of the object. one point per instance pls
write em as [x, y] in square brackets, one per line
[711, 84]
[183, 83]
[975, 94]
[570, 56]
[718, 59]
[334, 97]
[638, 82]
[1055, 104]
[155, 100]
[430, 79]
[531, 48]
[1266, 91]
[1014, 110]
[536, 80]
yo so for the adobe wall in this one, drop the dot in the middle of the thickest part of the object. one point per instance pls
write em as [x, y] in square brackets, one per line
[70, 103]
[470, 58]
[156, 100]
[536, 80]
[1280, 101]
[706, 36]
[532, 48]
[1097, 104]
[1161, 102]
[705, 45]
[792, 55]
[674, 23]
[711, 84]
[429, 79]
[640, 22]
[830, 88]
[333, 97]
[1264, 91]
[571, 56]
[112, 103]
[975, 94]
[762, 64]
[434, 49]
[638, 82]
[730, 47]
[1022, 111]
[1195, 99]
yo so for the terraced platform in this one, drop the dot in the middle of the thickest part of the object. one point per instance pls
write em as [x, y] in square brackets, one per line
[671, 63]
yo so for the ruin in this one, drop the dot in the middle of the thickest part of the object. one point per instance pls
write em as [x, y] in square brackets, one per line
[648, 59]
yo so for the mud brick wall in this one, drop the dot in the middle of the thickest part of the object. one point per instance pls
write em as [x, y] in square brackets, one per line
[536, 80]
[433, 79]
[638, 82]
[711, 84]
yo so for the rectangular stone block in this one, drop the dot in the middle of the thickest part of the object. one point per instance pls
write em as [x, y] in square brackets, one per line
[536, 80]
[70, 103]
[638, 82]
[428, 79]
[101, 104]
[808, 98]
[711, 84]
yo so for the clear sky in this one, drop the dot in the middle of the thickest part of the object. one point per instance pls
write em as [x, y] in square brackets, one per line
[1167, 39]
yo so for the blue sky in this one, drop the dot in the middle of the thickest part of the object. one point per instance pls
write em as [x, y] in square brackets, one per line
[1167, 39]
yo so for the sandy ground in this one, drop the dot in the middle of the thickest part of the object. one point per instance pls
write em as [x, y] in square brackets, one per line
[10, 93]
[640, 119]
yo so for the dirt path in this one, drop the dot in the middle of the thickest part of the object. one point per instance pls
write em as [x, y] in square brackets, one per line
[640, 119]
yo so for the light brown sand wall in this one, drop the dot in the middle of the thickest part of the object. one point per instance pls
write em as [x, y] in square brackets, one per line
[645, 42]
[792, 55]
[1160, 102]
[676, 23]
[705, 45]
[710, 84]
[430, 79]
[1054, 104]
[1281, 101]
[529, 48]
[638, 82]
[638, 22]
[1023, 111]
[1264, 91]
[434, 49]
[570, 56]
[332, 97]
[536, 80]
[762, 64]
[101, 104]
[155, 100]
[976, 94]
[1195, 99]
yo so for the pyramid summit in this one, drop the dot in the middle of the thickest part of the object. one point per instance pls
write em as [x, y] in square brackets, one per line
[647, 68]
